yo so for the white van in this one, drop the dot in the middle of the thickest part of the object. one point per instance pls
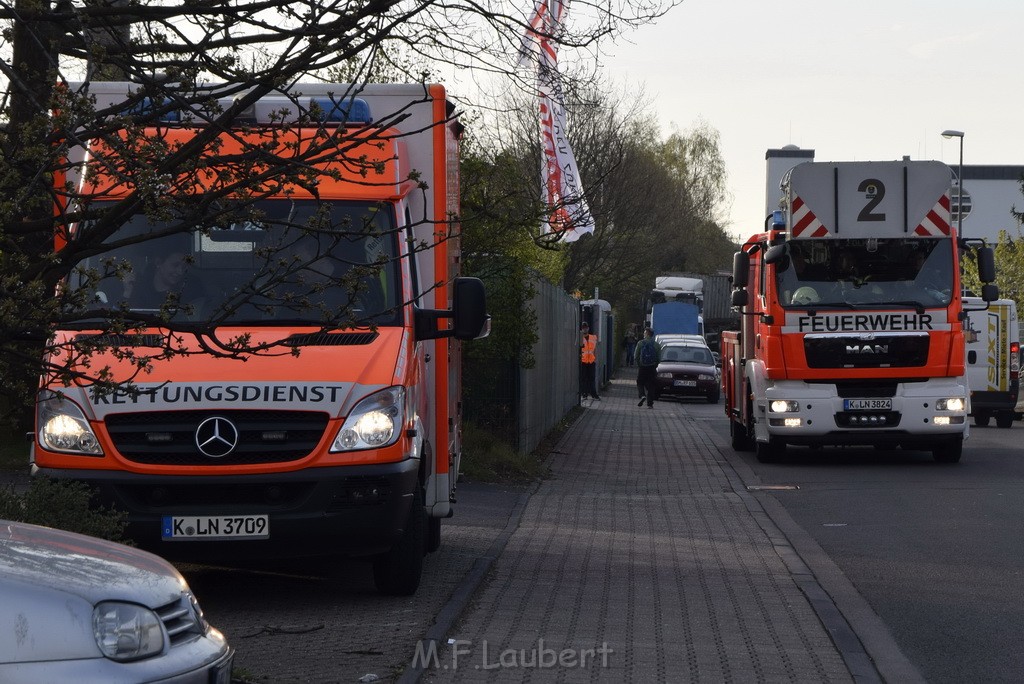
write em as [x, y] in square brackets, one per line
[993, 360]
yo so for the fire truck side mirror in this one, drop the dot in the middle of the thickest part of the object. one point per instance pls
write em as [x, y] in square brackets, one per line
[740, 269]
[739, 298]
[775, 253]
[986, 265]
[989, 292]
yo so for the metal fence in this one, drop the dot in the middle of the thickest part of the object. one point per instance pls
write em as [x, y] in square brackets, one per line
[521, 405]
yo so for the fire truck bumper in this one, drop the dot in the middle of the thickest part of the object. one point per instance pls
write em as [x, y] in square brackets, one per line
[922, 414]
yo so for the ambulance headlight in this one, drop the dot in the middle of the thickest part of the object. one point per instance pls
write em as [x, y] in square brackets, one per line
[783, 406]
[375, 422]
[63, 426]
[950, 404]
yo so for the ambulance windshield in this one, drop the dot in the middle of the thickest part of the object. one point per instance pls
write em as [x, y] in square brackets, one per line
[868, 272]
[273, 262]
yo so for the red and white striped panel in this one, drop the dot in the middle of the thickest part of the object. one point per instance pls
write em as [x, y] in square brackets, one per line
[937, 222]
[805, 223]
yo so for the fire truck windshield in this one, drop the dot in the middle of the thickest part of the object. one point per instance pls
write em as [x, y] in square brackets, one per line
[273, 262]
[851, 273]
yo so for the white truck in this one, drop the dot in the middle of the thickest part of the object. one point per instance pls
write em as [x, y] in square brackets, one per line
[993, 360]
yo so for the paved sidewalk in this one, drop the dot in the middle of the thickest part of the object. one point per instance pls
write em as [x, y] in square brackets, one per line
[643, 558]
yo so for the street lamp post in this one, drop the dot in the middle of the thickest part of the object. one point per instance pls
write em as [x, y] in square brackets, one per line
[959, 181]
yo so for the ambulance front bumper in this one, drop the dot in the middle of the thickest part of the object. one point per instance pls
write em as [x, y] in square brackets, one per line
[315, 512]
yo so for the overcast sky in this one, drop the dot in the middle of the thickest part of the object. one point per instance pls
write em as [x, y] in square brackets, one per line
[854, 81]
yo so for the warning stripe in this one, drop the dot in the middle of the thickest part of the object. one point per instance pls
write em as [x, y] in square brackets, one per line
[804, 221]
[938, 221]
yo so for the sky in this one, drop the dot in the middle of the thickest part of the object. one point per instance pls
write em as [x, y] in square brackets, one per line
[870, 80]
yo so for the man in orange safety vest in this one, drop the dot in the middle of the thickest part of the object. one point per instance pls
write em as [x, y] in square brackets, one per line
[588, 363]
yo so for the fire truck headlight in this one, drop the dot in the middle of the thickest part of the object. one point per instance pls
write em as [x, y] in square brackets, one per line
[63, 426]
[950, 404]
[783, 406]
[375, 422]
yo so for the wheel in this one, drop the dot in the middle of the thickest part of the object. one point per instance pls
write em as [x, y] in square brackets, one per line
[433, 534]
[770, 451]
[397, 572]
[949, 452]
[740, 438]
[1004, 420]
[981, 419]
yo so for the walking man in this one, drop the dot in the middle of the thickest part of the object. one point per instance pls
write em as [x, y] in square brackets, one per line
[648, 354]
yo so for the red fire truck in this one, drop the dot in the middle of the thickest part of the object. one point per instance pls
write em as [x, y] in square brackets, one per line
[852, 317]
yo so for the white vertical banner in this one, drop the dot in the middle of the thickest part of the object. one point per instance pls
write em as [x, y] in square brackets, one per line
[561, 187]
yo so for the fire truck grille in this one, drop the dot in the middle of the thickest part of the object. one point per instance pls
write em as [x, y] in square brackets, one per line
[169, 438]
[881, 351]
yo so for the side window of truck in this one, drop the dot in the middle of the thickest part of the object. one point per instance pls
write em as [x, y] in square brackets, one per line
[416, 289]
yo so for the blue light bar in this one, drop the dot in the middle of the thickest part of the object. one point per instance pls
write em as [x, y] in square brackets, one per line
[352, 110]
[147, 105]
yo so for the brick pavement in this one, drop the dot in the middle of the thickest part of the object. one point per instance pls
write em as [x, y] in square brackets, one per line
[642, 558]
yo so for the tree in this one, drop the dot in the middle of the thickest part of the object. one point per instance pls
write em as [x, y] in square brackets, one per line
[209, 60]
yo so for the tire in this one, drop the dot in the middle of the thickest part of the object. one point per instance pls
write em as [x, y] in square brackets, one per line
[981, 419]
[1004, 420]
[433, 534]
[740, 437]
[949, 452]
[397, 572]
[770, 451]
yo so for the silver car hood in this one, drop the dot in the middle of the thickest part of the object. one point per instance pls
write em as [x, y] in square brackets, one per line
[50, 580]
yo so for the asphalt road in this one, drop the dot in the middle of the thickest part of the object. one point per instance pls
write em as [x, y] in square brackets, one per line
[934, 549]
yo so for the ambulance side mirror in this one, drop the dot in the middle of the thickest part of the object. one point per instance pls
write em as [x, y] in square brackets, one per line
[469, 310]
[469, 317]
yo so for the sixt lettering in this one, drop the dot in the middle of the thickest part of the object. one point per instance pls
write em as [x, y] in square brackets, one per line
[180, 394]
[881, 322]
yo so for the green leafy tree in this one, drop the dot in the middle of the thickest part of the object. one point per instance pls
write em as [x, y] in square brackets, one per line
[213, 58]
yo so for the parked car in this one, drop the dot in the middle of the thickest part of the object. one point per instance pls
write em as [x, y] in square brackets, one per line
[80, 609]
[687, 369]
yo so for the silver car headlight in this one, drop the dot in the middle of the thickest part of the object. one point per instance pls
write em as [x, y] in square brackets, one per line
[375, 422]
[126, 631]
[63, 426]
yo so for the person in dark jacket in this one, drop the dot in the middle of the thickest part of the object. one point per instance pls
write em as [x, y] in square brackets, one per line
[647, 357]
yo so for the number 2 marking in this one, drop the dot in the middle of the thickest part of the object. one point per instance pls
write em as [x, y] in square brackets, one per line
[874, 191]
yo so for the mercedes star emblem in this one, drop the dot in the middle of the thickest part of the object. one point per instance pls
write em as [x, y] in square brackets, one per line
[216, 437]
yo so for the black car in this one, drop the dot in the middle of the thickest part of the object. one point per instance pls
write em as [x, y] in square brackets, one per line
[687, 369]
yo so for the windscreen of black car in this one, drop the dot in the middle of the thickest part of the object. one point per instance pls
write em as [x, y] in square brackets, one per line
[274, 262]
[687, 354]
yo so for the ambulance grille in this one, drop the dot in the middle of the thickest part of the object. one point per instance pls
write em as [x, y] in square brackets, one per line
[330, 339]
[169, 437]
[880, 351]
